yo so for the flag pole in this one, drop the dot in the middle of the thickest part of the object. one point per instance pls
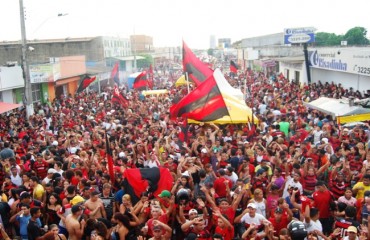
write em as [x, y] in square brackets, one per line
[187, 81]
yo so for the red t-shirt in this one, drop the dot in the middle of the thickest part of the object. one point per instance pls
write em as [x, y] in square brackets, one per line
[322, 202]
[226, 233]
[278, 225]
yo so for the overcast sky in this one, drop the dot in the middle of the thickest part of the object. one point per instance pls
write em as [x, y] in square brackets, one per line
[170, 21]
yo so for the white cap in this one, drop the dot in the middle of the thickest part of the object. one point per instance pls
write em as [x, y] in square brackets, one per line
[193, 211]
[55, 143]
[80, 108]
[51, 170]
[73, 150]
[121, 154]
[204, 150]
[251, 205]
[325, 140]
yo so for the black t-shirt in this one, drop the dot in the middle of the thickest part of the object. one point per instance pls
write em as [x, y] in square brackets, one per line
[33, 230]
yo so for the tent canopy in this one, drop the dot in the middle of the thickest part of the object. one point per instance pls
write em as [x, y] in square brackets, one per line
[5, 107]
[154, 92]
[336, 107]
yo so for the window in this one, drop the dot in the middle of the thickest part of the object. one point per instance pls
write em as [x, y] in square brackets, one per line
[36, 92]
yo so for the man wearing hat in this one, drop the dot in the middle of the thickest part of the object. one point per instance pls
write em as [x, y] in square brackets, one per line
[322, 200]
[249, 216]
[279, 220]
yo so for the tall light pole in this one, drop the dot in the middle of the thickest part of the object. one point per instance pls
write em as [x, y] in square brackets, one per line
[27, 99]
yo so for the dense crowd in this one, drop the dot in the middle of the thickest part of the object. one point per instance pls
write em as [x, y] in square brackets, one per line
[296, 174]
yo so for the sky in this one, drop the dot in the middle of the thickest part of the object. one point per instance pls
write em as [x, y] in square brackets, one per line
[170, 21]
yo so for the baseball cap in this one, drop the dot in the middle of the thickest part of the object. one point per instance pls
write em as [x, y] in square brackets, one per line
[204, 150]
[165, 193]
[251, 205]
[121, 154]
[193, 211]
[157, 227]
[325, 140]
[352, 229]
[51, 170]
[55, 143]
[278, 210]
[73, 150]
[77, 199]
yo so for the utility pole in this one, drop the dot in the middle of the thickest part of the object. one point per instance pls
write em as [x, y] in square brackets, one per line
[27, 100]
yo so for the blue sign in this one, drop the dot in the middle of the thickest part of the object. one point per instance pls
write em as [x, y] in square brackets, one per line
[299, 35]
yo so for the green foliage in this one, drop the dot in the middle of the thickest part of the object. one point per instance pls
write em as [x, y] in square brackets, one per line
[144, 63]
[210, 51]
[354, 36]
[327, 39]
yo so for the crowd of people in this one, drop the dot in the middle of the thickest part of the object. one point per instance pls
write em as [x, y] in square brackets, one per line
[296, 174]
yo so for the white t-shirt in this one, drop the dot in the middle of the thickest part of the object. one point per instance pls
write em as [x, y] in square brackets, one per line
[257, 219]
[290, 183]
[313, 225]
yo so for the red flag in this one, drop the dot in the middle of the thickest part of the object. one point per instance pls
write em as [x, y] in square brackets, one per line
[153, 180]
[196, 69]
[110, 159]
[233, 67]
[86, 81]
[141, 82]
[205, 103]
[115, 73]
[151, 76]
[119, 98]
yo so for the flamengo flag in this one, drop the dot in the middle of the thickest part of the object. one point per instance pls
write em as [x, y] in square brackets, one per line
[119, 98]
[203, 104]
[86, 81]
[110, 159]
[233, 67]
[197, 71]
[153, 180]
[141, 81]
[115, 73]
[151, 76]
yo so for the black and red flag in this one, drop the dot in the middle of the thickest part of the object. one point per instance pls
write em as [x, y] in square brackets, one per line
[85, 82]
[152, 180]
[196, 69]
[110, 159]
[141, 82]
[233, 67]
[119, 98]
[115, 73]
[203, 104]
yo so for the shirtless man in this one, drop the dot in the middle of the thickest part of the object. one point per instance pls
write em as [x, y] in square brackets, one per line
[74, 227]
[96, 206]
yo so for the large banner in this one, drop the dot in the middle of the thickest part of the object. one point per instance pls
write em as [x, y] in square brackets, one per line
[343, 60]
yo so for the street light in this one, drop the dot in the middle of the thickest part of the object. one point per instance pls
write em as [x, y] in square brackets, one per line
[28, 100]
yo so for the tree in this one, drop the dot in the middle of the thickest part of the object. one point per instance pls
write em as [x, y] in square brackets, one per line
[356, 36]
[210, 51]
[327, 39]
[144, 63]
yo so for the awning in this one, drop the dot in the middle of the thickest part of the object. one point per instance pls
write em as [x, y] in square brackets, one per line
[154, 92]
[5, 107]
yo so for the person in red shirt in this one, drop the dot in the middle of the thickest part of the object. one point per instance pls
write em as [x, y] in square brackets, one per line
[40, 166]
[224, 227]
[220, 185]
[279, 220]
[322, 200]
